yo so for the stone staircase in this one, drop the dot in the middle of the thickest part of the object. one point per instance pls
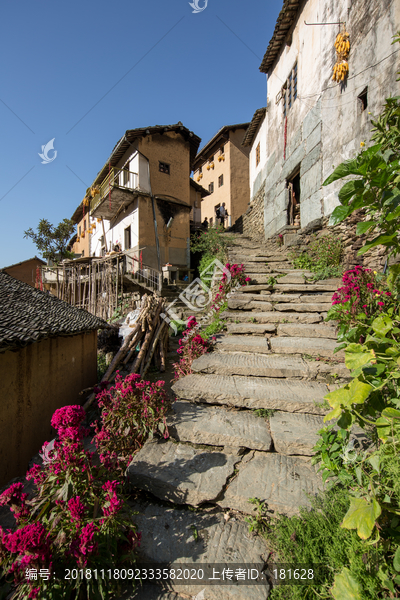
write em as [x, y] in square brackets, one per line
[245, 422]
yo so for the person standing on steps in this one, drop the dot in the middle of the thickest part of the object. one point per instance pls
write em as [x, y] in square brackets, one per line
[222, 214]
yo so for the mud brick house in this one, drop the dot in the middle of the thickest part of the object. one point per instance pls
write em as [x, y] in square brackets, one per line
[48, 354]
[312, 123]
[140, 200]
[222, 168]
[26, 270]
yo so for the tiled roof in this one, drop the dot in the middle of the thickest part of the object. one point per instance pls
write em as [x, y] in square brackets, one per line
[253, 127]
[285, 20]
[29, 315]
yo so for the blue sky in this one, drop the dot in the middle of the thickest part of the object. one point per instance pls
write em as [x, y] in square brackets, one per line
[159, 63]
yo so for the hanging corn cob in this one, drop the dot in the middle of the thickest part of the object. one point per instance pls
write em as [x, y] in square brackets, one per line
[342, 47]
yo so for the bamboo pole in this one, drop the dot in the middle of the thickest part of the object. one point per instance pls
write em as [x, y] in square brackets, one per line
[153, 346]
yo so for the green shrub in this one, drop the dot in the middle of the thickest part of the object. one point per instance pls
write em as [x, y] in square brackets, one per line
[315, 537]
[323, 256]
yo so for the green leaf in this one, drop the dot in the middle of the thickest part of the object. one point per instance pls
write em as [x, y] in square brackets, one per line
[391, 413]
[382, 325]
[396, 560]
[339, 214]
[361, 516]
[394, 272]
[345, 586]
[374, 461]
[348, 167]
[349, 189]
[358, 356]
[382, 239]
[383, 429]
[364, 226]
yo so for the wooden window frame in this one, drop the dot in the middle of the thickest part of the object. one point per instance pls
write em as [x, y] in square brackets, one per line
[221, 180]
[211, 187]
[289, 89]
[258, 154]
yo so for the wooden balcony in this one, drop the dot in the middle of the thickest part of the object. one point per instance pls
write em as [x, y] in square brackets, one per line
[115, 192]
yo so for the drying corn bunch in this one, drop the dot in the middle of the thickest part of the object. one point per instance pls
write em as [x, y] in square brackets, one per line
[342, 46]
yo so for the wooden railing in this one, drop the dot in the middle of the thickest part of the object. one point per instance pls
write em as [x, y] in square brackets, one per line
[121, 178]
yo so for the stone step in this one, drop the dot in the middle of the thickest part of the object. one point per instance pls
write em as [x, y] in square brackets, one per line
[242, 303]
[217, 426]
[306, 345]
[271, 317]
[242, 343]
[283, 482]
[180, 473]
[247, 259]
[319, 286]
[255, 289]
[244, 296]
[289, 395]
[295, 433]
[168, 537]
[260, 277]
[296, 298]
[250, 365]
[274, 258]
[255, 328]
[305, 306]
[306, 331]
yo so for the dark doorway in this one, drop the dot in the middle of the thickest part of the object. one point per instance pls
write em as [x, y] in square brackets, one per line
[294, 200]
[128, 238]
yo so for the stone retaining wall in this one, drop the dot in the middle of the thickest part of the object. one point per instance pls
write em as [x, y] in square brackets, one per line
[251, 224]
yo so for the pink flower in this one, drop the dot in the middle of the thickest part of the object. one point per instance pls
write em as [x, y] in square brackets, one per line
[381, 304]
[77, 509]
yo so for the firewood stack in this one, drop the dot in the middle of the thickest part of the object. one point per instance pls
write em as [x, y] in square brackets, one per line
[146, 343]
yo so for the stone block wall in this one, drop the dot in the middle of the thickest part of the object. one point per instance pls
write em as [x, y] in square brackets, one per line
[251, 224]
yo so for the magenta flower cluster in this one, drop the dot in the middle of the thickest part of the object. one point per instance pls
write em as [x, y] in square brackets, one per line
[192, 345]
[236, 279]
[360, 293]
[131, 409]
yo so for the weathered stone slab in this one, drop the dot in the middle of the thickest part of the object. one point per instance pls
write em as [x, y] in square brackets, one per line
[292, 279]
[307, 287]
[180, 473]
[243, 304]
[242, 343]
[168, 537]
[284, 297]
[246, 297]
[309, 331]
[305, 307]
[271, 317]
[253, 392]
[250, 365]
[325, 298]
[217, 426]
[312, 346]
[256, 288]
[254, 328]
[295, 433]
[282, 481]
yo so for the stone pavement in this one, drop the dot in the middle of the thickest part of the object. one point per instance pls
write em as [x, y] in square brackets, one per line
[244, 423]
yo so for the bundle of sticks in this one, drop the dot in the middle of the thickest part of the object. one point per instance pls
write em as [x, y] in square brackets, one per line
[151, 332]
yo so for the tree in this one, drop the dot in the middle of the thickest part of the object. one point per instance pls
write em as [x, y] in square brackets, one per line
[52, 241]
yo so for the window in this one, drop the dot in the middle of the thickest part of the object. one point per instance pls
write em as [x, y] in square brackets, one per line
[258, 154]
[125, 176]
[222, 149]
[211, 222]
[84, 225]
[80, 230]
[362, 101]
[211, 187]
[220, 180]
[200, 170]
[127, 237]
[289, 90]
[83, 253]
[164, 167]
